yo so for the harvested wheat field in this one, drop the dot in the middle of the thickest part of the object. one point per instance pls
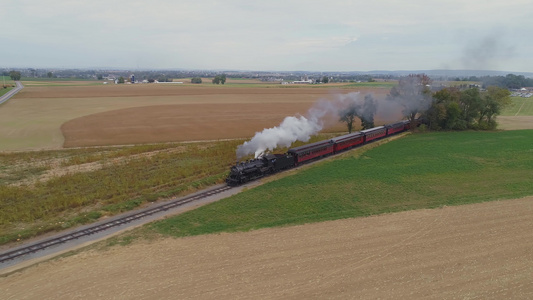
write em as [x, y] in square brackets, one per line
[223, 113]
[515, 122]
[480, 251]
[35, 118]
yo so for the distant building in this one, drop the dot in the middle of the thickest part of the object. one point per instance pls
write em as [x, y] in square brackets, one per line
[303, 81]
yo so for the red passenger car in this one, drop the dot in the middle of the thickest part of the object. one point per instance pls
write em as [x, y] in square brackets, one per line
[395, 128]
[347, 141]
[374, 133]
[310, 151]
[407, 124]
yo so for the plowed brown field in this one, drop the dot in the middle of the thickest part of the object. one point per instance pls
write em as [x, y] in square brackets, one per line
[34, 118]
[199, 114]
[50, 117]
[170, 123]
[480, 251]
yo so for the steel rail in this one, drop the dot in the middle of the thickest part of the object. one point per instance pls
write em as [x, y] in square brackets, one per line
[104, 226]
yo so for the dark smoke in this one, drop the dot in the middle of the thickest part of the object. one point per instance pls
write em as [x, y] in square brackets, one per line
[486, 53]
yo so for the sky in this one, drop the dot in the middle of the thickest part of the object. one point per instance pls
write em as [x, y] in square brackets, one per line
[326, 35]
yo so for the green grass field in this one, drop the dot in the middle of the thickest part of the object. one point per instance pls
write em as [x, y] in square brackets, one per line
[419, 171]
[7, 80]
[4, 91]
[519, 107]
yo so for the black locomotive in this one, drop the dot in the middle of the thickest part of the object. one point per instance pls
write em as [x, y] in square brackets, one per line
[272, 163]
[259, 167]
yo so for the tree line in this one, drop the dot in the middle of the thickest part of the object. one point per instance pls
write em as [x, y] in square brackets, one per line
[510, 81]
[219, 79]
[15, 75]
[449, 108]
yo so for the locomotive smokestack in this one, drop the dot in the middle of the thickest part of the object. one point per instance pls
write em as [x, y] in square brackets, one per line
[301, 128]
[291, 129]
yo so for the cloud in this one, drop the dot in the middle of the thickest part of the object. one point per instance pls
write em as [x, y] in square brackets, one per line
[278, 35]
[318, 43]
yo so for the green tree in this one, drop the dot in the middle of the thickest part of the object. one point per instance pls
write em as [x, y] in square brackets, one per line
[15, 75]
[196, 80]
[453, 117]
[121, 79]
[437, 115]
[364, 110]
[492, 103]
[471, 105]
[219, 79]
[50, 74]
[348, 115]
[454, 109]
[99, 76]
[325, 79]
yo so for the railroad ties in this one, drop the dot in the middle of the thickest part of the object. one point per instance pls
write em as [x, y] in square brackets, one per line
[107, 225]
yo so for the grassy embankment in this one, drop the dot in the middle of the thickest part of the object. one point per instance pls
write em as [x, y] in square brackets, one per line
[8, 82]
[43, 191]
[419, 171]
[519, 107]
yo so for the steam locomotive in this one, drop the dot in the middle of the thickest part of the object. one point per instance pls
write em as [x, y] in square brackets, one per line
[273, 163]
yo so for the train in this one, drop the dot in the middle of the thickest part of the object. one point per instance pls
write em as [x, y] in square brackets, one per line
[272, 163]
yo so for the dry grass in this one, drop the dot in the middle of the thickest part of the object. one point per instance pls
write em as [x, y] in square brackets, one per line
[515, 122]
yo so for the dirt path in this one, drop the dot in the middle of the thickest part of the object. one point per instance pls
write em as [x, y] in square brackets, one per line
[481, 251]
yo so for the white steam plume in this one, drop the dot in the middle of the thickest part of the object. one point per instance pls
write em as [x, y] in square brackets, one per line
[301, 128]
[291, 129]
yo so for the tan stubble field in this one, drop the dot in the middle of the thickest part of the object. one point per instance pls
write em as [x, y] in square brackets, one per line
[480, 251]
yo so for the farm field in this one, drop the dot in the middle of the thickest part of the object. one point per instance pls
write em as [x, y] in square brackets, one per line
[77, 186]
[50, 117]
[70, 183]
[519, 107]
[5, 90]
[519, 115]
[417, 171]
[439, 253]
[474, 251]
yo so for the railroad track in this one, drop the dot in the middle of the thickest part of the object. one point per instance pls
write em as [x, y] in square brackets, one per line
[19, 252]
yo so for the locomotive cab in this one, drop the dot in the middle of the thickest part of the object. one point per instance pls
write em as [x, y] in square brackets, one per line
[259, 167]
